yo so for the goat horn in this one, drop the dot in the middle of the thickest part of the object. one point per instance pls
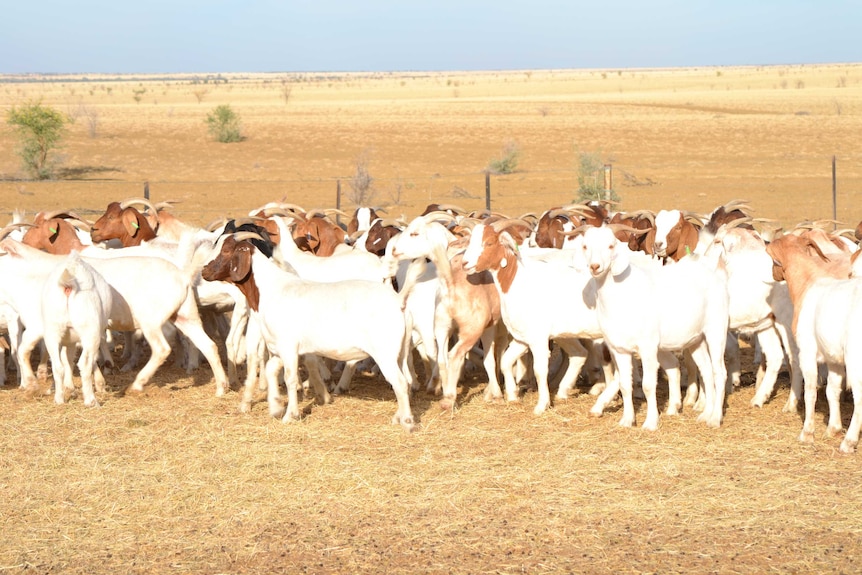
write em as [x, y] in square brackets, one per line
[330, 211]
[240, 236]
[279, 211]
[624, 228]
[451, 207]
[215, 224]
[578, 230]
[501, 225]
[440, 217]
[646, 214]
[529, 216]
[140, 201]
[12, 227]
[737, 205]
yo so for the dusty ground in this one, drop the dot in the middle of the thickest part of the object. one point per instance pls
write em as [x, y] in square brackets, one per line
[177, 481]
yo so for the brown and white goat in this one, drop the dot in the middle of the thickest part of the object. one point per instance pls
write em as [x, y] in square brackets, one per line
[827, 323]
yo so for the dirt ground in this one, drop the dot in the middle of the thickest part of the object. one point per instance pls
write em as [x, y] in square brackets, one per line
[176, 480]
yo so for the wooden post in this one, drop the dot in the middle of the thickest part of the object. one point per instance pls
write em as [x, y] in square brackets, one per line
[834, 195]
[338, 201]
[147, 190]
[488, 191]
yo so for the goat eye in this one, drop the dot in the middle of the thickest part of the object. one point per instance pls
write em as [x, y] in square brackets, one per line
[414, 234]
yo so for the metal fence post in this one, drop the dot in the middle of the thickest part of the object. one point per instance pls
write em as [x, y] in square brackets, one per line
[488, 191]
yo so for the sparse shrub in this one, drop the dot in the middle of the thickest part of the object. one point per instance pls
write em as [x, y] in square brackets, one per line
[591, 179]
[361, 183]
[200, 94]
[507, 163]
[138, 93]
[40, 130]
[224, 125]
[800, 84]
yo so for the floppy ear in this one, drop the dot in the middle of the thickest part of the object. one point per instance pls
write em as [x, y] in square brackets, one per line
[55, 231]
[649, 242]
[130, 222]
[240, 264]
[620, 262]
[688, 239]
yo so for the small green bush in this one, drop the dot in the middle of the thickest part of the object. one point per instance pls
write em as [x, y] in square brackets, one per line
[40, 130]
[591, 179]
[507, 163]
[224, 125]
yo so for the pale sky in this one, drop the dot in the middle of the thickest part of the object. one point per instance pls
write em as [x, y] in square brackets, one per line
[209, 36]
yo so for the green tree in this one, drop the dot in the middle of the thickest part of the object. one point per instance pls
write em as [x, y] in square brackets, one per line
[224, 124]
[40, 130]
[507, 163]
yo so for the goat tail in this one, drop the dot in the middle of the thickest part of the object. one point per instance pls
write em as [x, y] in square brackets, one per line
[414, 272]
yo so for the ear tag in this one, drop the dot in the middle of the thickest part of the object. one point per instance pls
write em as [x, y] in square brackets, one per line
[504, 262]
[135, 225]
[687, 251]
[53, 230]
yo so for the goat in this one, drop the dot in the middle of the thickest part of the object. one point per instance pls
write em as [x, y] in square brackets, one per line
[536, 305]
[298, 317]
[123, 222]
[363, 218]
[827, 323]
[674, 235]
[76, 303]
[150, 291]
[759, 306]
[471, 303]
[655, 313]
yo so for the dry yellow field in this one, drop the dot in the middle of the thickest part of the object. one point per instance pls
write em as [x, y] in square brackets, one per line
[687, 138]
[177, 481]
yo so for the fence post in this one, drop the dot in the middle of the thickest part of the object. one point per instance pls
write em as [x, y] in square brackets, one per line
[147, 190]
[834, 195]
[338, 201]
[488, 191]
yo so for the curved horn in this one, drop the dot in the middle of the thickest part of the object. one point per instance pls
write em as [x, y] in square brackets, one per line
[741, 205]
[451, 208]
[12, 227]
[440, 217]
[140, 201]
[215, 224]
[648, 215]
[501, 225]
[330, 211]
[279, 211]
[240, 236]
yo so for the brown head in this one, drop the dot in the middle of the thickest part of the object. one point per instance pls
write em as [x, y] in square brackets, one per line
[55, 235]
[123, 223]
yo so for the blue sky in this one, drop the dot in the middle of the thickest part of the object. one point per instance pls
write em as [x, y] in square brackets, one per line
[160, 36]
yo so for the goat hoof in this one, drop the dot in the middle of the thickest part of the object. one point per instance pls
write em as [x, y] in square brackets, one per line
[806, 437]
[833, 431]
[245, 407]
[757, 402]
[93, 403]
[290, 417]
[597, 389]
[847, 446]
[447, 403]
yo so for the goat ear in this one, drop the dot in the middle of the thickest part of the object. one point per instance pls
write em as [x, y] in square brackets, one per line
[621, 259]
[688, 239]
[130, 223]
[649, 242]
[54, 231]
[240, 265]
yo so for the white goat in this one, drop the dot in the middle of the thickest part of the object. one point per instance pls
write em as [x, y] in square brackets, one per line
[76, 305]
[539, 301]
[298, 317]
[677, 307]
[759, 306]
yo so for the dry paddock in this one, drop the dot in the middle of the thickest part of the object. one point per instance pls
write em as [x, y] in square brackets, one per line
[178, 481]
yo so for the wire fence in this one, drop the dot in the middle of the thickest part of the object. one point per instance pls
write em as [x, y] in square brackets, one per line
[793, 195]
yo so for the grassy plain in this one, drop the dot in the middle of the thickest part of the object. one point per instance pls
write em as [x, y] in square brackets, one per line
[177, 481]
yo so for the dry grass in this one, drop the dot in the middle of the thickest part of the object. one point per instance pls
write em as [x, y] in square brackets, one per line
[178, 481]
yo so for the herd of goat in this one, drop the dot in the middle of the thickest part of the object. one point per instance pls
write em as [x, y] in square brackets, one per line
[618, 294]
